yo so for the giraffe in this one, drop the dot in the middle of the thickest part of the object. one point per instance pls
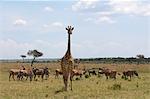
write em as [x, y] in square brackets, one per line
[67, 61]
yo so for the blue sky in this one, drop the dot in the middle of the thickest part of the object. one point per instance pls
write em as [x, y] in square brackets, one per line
[103, 28]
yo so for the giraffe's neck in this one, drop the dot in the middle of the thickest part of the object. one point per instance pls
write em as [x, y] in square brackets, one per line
[69, 44]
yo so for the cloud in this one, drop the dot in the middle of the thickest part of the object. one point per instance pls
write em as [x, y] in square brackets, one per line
[54, 24]
[108, 13]
[105, 19]
[13, 49]
[10, 48]
[53, 27]
[101, 16]
[106, 49]
[84, 4]
[99, 49]
[20, 22]
[130, 7]
[89, 19]
[101, 19]
[49, 9]
[104, 11]
[57, 24]
[46, 25]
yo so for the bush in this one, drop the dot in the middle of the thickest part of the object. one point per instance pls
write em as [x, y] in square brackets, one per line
[77, 79]
[87, 76]
[115, 86]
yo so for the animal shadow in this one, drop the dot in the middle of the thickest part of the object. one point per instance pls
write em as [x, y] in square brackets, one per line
[59, 91]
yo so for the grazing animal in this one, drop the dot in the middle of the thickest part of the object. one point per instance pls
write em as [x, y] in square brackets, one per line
[13, 72]
[129, 73]
[91, 71]
[108, 73]
[112, 74]
[23, 68]
[40, 72]
[78, 72]
[46, 73]
[26, 73]
[58, 72]
[67, 62]
[100, 71]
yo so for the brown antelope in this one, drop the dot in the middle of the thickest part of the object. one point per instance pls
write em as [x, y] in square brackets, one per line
[108, 73]
[42, 72]
[77, 73]
[27, 73]
[13, 72]
[58, 72]
[129, 73]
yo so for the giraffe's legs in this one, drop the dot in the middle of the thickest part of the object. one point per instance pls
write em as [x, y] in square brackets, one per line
[65, 82]
[71, 81]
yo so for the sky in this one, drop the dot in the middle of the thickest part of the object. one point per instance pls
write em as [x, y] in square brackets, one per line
[102, 28]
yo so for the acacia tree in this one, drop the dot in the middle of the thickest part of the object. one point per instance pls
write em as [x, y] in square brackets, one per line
[35, 54]
[140, 57]
[23, 57]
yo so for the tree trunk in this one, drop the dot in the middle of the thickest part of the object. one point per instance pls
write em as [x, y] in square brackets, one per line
[32, 61]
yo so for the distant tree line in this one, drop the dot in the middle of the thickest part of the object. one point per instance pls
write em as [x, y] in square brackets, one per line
[130, 60]
[118, 60]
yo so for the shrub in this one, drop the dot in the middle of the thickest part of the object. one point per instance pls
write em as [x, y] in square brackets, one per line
[46, 95]
[115, 86]
[86, 76]
[137, 84]
[77, 79]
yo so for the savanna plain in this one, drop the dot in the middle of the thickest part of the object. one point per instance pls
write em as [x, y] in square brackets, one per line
[93, 87]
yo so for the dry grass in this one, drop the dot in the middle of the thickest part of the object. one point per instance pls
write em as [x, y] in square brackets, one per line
[86, 88]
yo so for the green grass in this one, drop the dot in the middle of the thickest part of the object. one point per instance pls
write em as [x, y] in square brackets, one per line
[86, 88]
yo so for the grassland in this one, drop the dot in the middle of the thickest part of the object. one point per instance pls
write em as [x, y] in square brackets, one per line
[85, 88]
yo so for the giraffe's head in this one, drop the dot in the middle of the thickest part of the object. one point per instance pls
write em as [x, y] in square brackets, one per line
[69, 29]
